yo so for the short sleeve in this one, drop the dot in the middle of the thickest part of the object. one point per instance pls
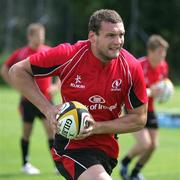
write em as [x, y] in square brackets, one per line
[137, 95]
[12, 59]
[51, 62]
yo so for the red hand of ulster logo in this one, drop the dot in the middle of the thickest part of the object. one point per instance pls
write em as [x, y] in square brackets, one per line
[116, 85]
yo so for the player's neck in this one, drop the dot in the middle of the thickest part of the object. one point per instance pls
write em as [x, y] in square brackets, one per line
[153, 62]
[34, 46]
[103, 60]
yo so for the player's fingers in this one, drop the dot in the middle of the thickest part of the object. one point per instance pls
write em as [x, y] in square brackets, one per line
[87, 130]
[59, 106]
[85, 133]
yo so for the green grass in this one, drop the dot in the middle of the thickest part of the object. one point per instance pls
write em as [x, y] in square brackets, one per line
[164, 165]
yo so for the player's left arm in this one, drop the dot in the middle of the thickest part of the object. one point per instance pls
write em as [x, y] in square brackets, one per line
[133, 120]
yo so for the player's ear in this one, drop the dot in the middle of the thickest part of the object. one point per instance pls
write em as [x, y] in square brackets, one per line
[92, 36]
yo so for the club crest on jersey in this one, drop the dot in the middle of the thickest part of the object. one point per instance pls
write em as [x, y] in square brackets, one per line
[116, 85]
[77, 83]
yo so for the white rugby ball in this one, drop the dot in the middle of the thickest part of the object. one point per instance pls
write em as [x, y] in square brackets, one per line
[166, 90]
[72, 119]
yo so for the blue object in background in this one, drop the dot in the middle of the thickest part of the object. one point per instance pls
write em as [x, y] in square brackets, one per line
[168, 120]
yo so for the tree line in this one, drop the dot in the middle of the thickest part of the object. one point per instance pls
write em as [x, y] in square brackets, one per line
[67, 21]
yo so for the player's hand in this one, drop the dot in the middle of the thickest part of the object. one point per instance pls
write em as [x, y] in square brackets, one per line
[88, 129]
[52, 115]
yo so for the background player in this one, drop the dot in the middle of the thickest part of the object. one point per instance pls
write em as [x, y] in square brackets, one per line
[36, 38]
[155, 68]
[108, 76]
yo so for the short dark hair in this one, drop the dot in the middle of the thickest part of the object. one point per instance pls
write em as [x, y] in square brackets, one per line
[106, 15]
[156, 41]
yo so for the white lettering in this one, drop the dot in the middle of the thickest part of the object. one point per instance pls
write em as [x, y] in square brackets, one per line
[101, 107]
[77, 86]
[93, 107]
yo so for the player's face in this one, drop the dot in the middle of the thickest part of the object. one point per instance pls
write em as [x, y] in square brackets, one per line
[159, 54]
[107, 44]
[37, 38]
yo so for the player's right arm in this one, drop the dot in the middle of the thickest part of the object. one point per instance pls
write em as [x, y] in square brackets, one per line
[22, 78]
[7, 64]
[43, 64]
[4, 74]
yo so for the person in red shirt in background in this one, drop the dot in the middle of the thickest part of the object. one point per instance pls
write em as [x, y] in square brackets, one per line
[36, 38]
[103, 76]
[155, 69]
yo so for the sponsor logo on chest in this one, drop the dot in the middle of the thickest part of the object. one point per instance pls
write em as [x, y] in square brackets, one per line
[77, 83]
[99, 103]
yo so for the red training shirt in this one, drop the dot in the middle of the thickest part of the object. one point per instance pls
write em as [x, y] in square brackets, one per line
[103, 88]
[153, 75]
[23, 53]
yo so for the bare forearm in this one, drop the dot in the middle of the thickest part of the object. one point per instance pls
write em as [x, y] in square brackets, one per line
[121, 125]
[24, 82]
[131, 122]
[5, 75]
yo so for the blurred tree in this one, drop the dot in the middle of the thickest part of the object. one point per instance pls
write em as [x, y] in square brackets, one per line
[67, 21]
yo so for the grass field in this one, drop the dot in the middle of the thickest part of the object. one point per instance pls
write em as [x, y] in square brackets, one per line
[164, 165]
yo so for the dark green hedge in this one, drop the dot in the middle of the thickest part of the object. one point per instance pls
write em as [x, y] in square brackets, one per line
[66, 21]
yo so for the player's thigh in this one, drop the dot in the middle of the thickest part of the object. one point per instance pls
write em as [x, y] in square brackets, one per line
[48, 128]
[71, 163]
[154, 136]
[96, 172]
[142, 136]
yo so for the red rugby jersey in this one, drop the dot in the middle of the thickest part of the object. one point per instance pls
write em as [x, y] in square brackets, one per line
[153, 75]
[24, 52]
[103, 88]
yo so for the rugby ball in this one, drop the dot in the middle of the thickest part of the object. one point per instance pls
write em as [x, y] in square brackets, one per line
[165, 88]
[72, 119]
